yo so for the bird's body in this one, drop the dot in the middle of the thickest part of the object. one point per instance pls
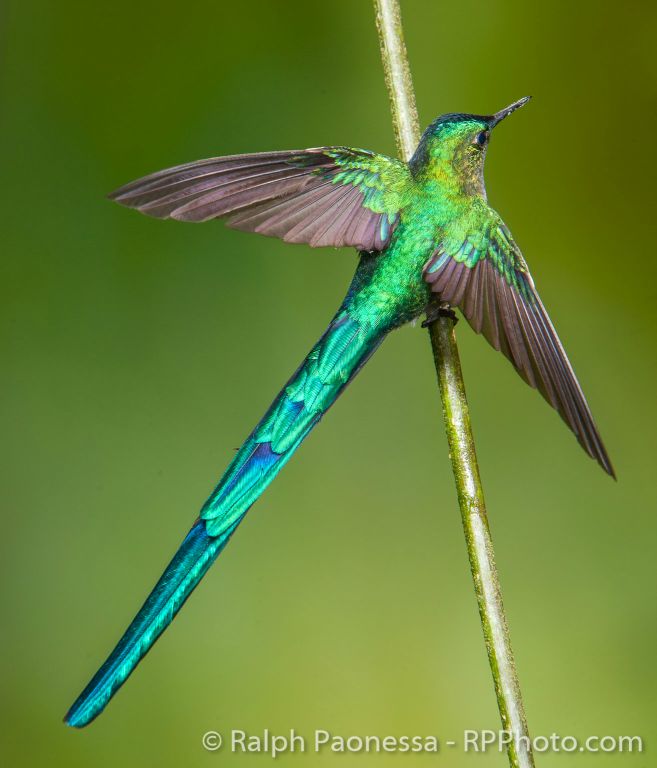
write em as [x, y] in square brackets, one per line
[423, 228]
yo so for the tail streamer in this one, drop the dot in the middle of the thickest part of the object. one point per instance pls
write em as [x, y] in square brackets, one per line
[330, 366]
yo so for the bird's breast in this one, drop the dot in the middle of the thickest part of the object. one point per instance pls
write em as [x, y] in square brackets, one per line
[395, 290]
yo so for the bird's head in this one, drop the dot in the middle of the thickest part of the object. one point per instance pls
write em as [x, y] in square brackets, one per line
[453, 149]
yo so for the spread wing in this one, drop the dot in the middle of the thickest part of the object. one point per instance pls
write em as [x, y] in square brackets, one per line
[486, 277]
[326, 196]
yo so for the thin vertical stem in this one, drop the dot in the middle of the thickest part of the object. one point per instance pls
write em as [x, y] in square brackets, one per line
[457, 423]
[398, 76]
[479, 542]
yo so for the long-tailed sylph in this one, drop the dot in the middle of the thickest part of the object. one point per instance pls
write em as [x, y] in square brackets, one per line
[423, 229]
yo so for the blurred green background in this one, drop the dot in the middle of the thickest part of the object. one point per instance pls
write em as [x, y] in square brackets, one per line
[137, 354]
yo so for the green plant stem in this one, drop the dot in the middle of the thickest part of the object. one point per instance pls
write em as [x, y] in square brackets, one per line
[457, 422]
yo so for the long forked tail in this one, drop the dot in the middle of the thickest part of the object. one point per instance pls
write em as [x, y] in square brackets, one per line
[332, 363]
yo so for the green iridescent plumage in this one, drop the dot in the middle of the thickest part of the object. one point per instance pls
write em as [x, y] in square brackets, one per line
[423, 228]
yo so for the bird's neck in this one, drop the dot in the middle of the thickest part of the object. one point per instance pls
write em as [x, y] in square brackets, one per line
[456, 178]
[458, 170]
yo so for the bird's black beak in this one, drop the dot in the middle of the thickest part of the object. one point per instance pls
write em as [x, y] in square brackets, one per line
[499, 116]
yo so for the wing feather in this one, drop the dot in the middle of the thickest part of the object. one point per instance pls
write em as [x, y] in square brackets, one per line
[329, 196]
[497, 296]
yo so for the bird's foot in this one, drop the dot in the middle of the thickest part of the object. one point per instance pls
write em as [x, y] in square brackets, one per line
[438, 309]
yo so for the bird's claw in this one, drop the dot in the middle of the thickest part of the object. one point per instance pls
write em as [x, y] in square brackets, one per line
[439, 309]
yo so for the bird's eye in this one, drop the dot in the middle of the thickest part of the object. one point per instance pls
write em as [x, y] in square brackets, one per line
[481, 138]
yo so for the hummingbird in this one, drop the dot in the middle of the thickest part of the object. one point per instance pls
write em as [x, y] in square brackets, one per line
[425, 233]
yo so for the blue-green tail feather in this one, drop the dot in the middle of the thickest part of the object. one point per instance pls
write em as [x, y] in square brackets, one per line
[332, 363]
[195, 555]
